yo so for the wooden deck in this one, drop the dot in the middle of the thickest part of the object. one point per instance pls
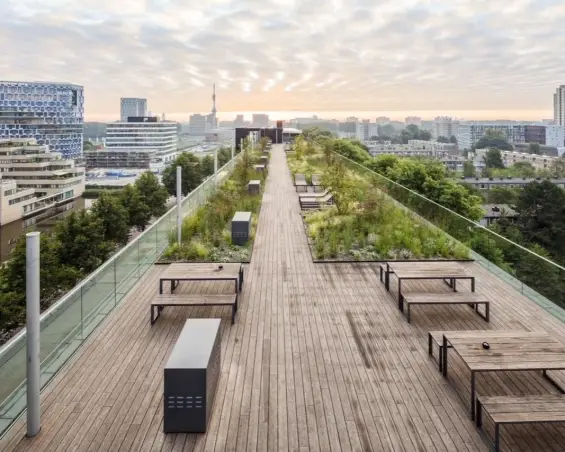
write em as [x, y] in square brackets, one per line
[319, 359]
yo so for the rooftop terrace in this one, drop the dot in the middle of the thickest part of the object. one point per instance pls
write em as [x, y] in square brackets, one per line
[319, 359]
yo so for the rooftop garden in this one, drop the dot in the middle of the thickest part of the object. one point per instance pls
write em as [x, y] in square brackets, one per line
[364, 224]
[206, 234]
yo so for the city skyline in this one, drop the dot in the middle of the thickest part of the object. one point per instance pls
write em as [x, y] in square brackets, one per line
[289, 56]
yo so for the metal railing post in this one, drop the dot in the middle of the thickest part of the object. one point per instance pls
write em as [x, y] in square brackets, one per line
[33, 332]
[179, 204]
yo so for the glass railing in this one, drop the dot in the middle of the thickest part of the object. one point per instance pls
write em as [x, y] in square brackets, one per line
[68, 322]
[531, 274]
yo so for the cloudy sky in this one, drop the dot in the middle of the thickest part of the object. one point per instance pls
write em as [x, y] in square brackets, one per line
[498, 56]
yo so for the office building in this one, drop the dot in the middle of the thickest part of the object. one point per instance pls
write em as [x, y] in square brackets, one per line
[135, 143]
[260, 120]
[559, 106]
[516, 133]
[51, 113]
[132, 106]
[382, 120]
[35, 182]
[197, 125]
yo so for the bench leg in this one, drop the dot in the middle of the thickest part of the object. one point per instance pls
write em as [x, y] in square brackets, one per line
[381, 274]
[473, 401]
[497, 437]
[408, 312]
[153, 316]
[479, 417]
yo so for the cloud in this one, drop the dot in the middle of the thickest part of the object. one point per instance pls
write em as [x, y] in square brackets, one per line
[291, 54]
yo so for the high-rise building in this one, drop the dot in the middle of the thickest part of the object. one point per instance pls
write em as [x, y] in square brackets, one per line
[34, 181]
[559, 106]
[415, 120]
[443, 127]
[260, 120]
[51, 113]
[197, 125]
[382, 120]
[239, 121]
[140, 136]
[132, 106]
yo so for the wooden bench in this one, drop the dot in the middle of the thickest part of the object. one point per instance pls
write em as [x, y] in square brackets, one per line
[472, 299]
[162, 300]
[315, 202]
[437, 337]
[520, 410]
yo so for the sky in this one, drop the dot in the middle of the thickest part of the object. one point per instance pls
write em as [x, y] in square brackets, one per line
[476, 59]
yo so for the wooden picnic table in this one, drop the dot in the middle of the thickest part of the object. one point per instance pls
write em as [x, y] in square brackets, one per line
[508, 351]
[206, 271]
[449, 272]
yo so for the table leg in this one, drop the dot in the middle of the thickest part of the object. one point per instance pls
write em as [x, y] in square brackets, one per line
[454, 285]
[387, 282]
[160, 286]
[444, 360]
[473, 396]
[473, 284]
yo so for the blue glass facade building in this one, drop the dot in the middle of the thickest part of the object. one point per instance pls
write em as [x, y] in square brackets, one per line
[52, 113]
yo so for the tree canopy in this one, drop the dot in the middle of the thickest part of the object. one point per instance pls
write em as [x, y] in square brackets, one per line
[191, 175]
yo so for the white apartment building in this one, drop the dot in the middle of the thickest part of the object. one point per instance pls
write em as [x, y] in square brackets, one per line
[516, 133]
[509, 158]
[197, 125]
[365, 130]
[144, 135]
[132, 106]
[444, 127]
[415, 120]
[559, 106]
[34, 181]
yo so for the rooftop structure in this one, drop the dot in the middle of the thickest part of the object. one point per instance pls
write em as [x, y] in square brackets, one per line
[132, 106]
[51, 113]
[319, 358]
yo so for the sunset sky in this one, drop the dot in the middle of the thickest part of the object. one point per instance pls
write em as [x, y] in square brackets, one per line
[468, 58]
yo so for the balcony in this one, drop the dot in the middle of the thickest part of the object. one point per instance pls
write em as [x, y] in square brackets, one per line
[320, 357]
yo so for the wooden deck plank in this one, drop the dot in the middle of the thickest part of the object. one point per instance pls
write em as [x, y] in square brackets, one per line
[319, 359]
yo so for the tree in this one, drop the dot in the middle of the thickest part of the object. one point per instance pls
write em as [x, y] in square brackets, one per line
[453, 139]
[152, 193]
[386, 131]
[338, 180]
[501, 195]
[442, 140]
[81, 236]
[88, 146]
[493, 159]
[114, 218]
[224, 156]
[425, 135]
[523, 169]
[493, 138]
[541, 216]
[557, 168]
[139, 213]
[534, 148]
[207, 166]
[191, 174]
[469, 169]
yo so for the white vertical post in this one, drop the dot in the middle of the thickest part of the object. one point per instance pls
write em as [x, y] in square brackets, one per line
[241, 145]
[232, 149]
[179, 204]
[32, 332]
[215, 166]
